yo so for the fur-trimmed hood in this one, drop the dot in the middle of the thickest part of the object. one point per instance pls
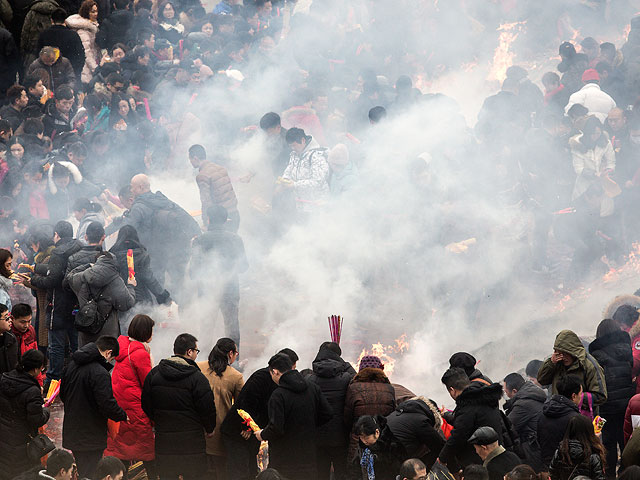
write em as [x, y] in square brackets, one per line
[78, 22]
[618, 301]
[370, 375]
[76, 176]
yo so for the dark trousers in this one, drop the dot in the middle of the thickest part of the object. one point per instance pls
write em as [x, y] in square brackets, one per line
[229, 307]
[241, 457]
[612, 438]
[57, 345]
[87, 462]
[326, 456]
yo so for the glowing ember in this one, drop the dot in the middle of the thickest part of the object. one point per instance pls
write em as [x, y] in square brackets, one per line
[263, 456]
[630, 269]
[384, 352]
[503, 56]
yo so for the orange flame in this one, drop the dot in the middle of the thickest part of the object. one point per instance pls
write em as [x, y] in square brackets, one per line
[263, 456]
[503, 56]
[383, 352]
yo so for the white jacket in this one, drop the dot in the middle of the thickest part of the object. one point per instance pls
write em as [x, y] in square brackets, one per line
[595, 100]
[87, 31]
[309, 173]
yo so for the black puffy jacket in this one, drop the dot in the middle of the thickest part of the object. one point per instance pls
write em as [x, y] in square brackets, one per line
[49, 276]
[21, 414]
[476, 406]
[86, 255]
[147, 283]
[177, 397]
[86, 391]
[579, 464]
[613, 353]
[413, 425]
[524, 411]
[333, 375]
[9, 352]
[556, 413]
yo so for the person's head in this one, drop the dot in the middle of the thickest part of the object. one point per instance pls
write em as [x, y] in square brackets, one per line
[17, 96]
[6, 258]
[413, 469]
[293, 356]
[141, 328]
[616, 119]
[511, 85]
[297, 139]
[61, 465]
[126, 197]
[367, 430]
[580, 429]
[606, 327]
[108, 347]
[140, 185]
[34, 126]
[77, 153]
[532, 369]
[147, 38]
[377, 114]
[5, 319]
[279, 364]
[577, 111]
[95, 234]
[186, 345]
[603, 68]
[5, 130]
[89, 10]
[524, 472]
[592, 131]
[82, 206]
[332, 347]
[118, 52]
[109, 468]
[60, 175]
[32, 362]
[49, 55]
[630, 473]
[166, 11]
[590, 47]
[34, 85]
[114, 82]
[475, 472]
[463, 360]
[484, 441]
[64, 99]
[590, 75]
[217, 216]
[550, 81]
[120, 4]
[16, 148]
[270, 124]
[512, 383]
[404, 84]
[626, 315]
[197, 155]
[456, 380]
[370, 361]
[62, 230]
[608, 52]
[224, 353]
[570, 387]
[58, 16]
[21, 314]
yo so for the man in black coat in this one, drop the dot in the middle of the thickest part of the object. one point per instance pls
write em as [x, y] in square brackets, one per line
[333, 375]
[413, 424]
[8, 343]
[476, 406]
[116, 28]
[242, 447]
[556, 413]
[495, 458]
[523, 409]
[176, 396]
[296, 409]
[64, 38]
[86, 391]
[49, 277]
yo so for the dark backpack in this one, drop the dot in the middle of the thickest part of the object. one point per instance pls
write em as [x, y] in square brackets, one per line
[89, 318]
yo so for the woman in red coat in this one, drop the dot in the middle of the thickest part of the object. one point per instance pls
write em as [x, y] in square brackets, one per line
[134, 440]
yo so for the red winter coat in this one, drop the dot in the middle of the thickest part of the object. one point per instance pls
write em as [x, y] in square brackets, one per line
[27, 341]
[631, 417]
[135, 439]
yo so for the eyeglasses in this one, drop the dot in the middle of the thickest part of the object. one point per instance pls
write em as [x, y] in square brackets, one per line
[196, 350]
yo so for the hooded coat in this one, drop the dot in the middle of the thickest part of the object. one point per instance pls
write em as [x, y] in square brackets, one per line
[476, 406]
[87, 31]
[135, 438]
[370, 393]
[416, 428]
[85, 390]
[580, 465]
[49, 276]
[585, 368]
[296, 409]
[102, 281]
[613, 353]
[21, 414]
[333, 376]
[176, 396]
[36, 21]
[556, 413]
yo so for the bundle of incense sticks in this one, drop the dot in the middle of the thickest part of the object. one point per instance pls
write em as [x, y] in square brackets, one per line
[132, 272]
[335, 328]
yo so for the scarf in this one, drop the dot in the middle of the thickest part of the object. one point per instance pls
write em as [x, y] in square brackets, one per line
[367, 462]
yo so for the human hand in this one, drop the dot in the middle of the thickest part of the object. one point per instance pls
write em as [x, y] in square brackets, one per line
[246, 434]
[132, 281]
[557, 357]
[258, 435]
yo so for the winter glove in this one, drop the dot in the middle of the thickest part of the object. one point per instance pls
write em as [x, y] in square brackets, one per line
[164, 298]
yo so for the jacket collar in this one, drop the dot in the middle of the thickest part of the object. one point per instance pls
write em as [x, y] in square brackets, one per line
[499, 450]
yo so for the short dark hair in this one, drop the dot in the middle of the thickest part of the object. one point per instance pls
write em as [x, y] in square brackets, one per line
[606, 327]
[198, 151]
[217, 214]
[608, 46]
[331, 346]
[376, 114]
[59, 15]
[64, 229]
[21, 310]
[5, 126]
[280, 362]
[78, 148]
[30, 81]
[626, 314]
[14, 93]
[3, 308]
[602, 66]
[95, 232]
[107, 342]
[410, 467]
[270, 120]
[120, 4]
[64, 92]
[58, 460]
[568, 385]
[33, 126]
[109, 466]
[291, 354]
[144, 34]
[295, 135]
[475, 472]
[141, 328]
[113, 78]
[366, 425]
[630, 473]
[184, 342]
[550, 77]
[30, 359]
[532, 368]
[456, 378]
[514, 381]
